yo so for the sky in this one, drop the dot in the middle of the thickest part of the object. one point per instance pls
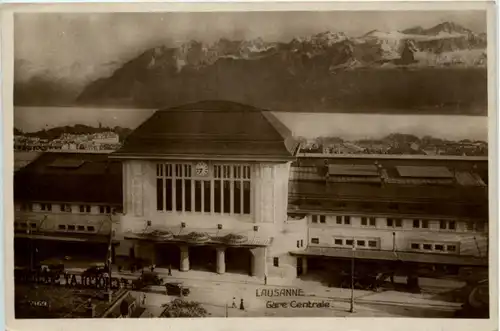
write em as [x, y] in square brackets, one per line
[53, 40]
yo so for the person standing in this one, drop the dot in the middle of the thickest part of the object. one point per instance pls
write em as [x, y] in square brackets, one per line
[242, 306]
[170, 270]
[234, 302]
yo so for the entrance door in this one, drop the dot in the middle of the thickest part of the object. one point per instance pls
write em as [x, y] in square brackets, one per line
[300, 271]
[202, 257]
[167, 255]
[238, 260]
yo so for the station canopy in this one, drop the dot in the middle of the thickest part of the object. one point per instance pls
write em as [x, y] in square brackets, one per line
[424, 172]
[66, 163]
[353, 170]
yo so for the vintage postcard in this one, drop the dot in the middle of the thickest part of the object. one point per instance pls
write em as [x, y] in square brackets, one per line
[287, 161]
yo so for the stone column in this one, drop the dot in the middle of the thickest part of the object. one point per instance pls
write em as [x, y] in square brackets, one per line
[252, 263]
[221, 260]
[184, 258]
[258, 262]
[152, 248]
[304, 265]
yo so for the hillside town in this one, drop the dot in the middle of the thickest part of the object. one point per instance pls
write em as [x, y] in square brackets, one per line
[393, 144]
[396, 144]
[104, 141]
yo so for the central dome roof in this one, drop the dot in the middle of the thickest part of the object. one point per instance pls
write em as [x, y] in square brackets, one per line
[211, 129]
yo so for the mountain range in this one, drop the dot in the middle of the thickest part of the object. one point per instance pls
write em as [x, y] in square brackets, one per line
[440, 69]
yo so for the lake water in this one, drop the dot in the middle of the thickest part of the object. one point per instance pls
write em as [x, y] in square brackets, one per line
[308, 125]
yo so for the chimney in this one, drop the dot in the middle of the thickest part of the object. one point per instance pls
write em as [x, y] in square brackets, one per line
[379, 170]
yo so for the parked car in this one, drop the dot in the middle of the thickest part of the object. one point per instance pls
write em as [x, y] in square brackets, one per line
[52, 266]
[146, 279]
[137, 264]
[177, 289]
[96, 270]
[361, 282]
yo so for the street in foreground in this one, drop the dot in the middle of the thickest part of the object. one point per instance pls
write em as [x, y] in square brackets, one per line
[220, 297]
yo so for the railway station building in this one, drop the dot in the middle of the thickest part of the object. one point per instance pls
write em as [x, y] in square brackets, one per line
[221, 186]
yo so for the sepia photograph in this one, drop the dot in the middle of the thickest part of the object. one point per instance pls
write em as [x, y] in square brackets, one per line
[251, 164]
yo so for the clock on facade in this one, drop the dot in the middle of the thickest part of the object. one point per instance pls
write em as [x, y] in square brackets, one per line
[201, 169]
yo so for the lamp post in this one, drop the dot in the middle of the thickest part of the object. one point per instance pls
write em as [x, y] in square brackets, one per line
[351, 310]
[109, 256]
[28, 232]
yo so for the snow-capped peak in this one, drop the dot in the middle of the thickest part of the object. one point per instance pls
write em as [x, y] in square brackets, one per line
[448, 27]
[330, 37]
[326, 38]
[445, 28]
[384, 35]
[254, 45]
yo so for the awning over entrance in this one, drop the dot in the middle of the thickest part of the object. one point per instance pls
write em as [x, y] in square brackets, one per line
[393, 256]
[201, 236]
[74, 237]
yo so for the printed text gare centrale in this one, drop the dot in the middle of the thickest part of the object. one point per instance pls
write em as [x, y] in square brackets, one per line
[289, 292]
[279, 292]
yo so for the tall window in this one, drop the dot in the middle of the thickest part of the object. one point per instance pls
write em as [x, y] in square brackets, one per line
[320, 218]
[46, 207]
[343, 220]
[207, 196]
[66, 208]
[447, 225]
[224, 189]
[84, 209]
[394, 223]
[104, 209]
[159, 188]
[217, 196]
[368, 221]
[197, 195]
[417, 223]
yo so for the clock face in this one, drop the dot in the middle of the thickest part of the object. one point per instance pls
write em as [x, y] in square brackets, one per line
[201, 169]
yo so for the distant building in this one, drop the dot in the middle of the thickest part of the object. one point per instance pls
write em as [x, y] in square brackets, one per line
[105, 138]
[69, 146]
[414, 146]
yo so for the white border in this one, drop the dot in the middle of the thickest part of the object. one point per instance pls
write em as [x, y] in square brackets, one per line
[371, 324]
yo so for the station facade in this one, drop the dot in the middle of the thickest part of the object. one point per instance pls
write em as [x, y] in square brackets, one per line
[206, 186]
